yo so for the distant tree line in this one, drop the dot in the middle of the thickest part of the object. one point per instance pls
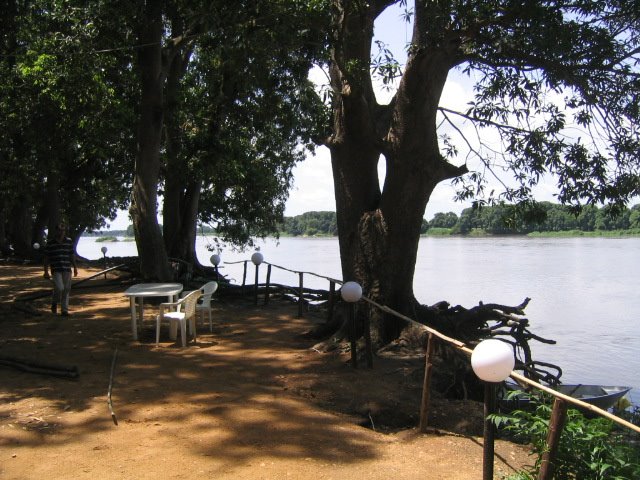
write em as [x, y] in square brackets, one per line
[496, 220]
[541, 217]
[310, 224]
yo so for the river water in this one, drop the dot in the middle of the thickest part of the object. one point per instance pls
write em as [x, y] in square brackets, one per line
[584, 291]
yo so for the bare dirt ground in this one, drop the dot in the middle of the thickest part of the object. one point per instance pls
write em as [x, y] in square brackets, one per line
[250, 400]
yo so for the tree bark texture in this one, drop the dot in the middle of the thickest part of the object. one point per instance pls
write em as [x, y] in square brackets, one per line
[379, 229]
[153, 258]
[21, 227]
[182, 184]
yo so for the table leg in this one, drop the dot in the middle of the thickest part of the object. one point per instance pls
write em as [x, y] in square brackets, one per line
[173, 330]
[141, 308]
[134, 327]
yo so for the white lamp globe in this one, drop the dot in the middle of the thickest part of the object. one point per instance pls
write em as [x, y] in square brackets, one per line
[103, 250]
[257, 258]
[36, 246]
[215, 259]
[351, 292]
[492, 360]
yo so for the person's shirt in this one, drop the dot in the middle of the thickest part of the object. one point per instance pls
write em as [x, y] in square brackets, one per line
[60, 254]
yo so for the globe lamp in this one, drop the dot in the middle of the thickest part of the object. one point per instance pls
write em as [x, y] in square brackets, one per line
[492, 360]
[351, 292]
[257, 258]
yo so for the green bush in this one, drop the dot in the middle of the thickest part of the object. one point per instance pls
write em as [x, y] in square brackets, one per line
[590, 449]
[438, 232]
[106, 239]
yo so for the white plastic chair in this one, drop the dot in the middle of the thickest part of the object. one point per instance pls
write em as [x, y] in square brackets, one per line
[179, 313]
[204, 305]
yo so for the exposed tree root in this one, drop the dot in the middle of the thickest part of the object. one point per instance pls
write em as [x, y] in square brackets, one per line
[454, 378]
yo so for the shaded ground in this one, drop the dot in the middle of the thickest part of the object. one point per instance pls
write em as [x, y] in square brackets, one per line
[250, 400]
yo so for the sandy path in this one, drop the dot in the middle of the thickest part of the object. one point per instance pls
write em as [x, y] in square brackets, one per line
[239, 404]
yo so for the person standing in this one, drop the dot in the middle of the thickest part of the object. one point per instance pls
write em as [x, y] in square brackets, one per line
[60, 256]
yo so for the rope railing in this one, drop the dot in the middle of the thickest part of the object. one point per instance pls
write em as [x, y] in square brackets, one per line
[300, 290]
[307, 273]
[516, 376]
[460, 346]
[289, 270]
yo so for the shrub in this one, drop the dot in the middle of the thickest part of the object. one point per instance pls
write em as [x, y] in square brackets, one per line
[106, 239]
[589, 448]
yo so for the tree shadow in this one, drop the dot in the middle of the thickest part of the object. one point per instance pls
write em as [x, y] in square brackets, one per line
[230, 387]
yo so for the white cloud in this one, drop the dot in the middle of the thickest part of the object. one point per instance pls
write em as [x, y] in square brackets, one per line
[456, 95]
[121, 222]
[312, 186]
[318, 76]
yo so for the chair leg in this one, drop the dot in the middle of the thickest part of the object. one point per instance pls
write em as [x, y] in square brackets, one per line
[157, 330]
[192, 326]
[173, 330]
[183, 332]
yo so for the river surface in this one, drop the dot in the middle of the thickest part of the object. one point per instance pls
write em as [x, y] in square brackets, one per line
[584, 291]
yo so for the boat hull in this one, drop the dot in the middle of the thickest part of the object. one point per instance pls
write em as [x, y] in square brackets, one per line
[601, 396]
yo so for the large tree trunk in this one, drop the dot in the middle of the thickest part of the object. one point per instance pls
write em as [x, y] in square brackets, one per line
[379, 231]
[182, 185]
[180, 232]
[21, 225]
[154, 263]
[24, 232]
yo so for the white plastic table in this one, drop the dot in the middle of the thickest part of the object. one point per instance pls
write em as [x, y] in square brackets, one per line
[141, 290]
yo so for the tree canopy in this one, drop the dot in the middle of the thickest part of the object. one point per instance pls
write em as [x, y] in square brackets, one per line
[62, 109]
[556, 87]
[210, 99]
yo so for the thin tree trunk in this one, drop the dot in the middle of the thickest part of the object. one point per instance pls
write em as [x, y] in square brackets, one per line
[154, 263]
[183, 245]
[21, 226]
[182, 189]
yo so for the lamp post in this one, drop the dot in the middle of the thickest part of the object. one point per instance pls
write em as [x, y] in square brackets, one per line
[257, 258]
[351, 292]
[36, 247]
[215, 261]
[104, 255]
[492, 361]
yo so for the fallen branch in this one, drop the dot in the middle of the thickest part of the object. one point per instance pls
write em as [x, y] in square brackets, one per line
[27, 297]
[102, 272]
[39, 368]
[109, 403]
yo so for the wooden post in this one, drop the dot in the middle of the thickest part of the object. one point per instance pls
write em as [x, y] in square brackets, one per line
[489, 431]
[556, 424]
[352, 335]
[426, 384]
[266, 293]
[331, 303]
[244, 276]
[301, 295]
[367, 342]
[255, 287]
